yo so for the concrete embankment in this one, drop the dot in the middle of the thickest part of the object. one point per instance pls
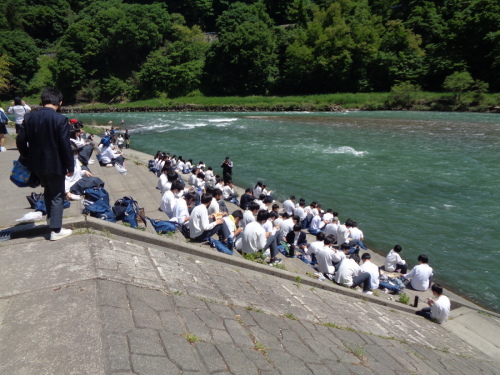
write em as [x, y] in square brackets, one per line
[113, 300]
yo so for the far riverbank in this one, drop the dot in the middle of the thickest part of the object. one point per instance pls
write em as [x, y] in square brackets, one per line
[339, 102]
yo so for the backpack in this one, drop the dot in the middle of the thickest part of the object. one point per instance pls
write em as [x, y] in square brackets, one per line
[4, 120]
[97, 204]
[126, 209]
[162, 227]
[95, 194]
[100, 210]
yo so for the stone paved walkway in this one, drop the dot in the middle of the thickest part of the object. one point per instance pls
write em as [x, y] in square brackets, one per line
[102, 305]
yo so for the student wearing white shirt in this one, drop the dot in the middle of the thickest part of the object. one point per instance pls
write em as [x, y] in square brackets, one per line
[209, 177]
[180, 166]
[440, 306]
[257, 190]
[254, 239]
[19, 109]
[299, 211]
[327, 258]
[265, 191]
[310, 252]
[228, 193]
[199, 225]
[193, 176]
[169, 199]
[331, 228]
[372, 269]
[248, 216]
[78, 173]
[394, 262]
[421, 275]
[109, 157]
[349, 274]
[316, 224]
[181, 209]
[188, 166]
[165, 180]
[343, 232]
[232, 222]
[356, 236]
[289, 205]
[287, 224]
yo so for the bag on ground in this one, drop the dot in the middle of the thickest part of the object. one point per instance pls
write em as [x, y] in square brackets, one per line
[126, 209]
[162, 226]
[95, 194]
[96, 204]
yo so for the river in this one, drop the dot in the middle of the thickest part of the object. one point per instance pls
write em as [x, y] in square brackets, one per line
[426, 180]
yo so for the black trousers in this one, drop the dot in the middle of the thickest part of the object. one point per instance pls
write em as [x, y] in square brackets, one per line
[53, 195]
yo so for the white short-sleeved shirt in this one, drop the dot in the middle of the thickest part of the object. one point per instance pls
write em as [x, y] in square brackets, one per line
[392, 260]
[324, 256]
[288, 207]
[254, 238]
[420, 276]
[356, 234]
[347, 271]
[372, 269]
[440, 310]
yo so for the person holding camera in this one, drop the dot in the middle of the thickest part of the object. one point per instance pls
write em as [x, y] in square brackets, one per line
[227, 170]
[18, 108]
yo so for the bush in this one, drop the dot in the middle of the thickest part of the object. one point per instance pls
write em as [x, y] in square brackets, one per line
[403, 95]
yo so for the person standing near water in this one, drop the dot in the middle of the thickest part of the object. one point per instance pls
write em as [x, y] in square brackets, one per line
[127, 138]
[227, 170]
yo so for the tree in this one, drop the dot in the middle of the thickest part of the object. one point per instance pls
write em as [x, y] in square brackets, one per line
[177, 68]
[23, 54]
[458, 83]
[400, 58]
[109, 41]
[5, 73]
[243, 61]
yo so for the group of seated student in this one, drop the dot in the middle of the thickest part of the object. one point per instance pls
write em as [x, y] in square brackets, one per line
[200, 209]
[82, 148]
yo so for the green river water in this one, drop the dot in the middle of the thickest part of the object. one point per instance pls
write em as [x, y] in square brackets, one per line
[427, 181]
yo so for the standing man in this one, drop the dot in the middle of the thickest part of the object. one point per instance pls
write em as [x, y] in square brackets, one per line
[227, 170]
[127, 138]
[44, 141]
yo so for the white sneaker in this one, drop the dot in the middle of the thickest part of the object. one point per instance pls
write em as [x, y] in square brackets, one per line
[3, 149]
[369, 292]
[63, 233]
[91, 161]
[74, 197]
[109, 165]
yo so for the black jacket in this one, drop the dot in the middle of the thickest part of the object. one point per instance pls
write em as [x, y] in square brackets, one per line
[43, 140]
[290, 237]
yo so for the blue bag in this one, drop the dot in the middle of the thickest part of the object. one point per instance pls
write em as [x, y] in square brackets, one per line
[220, 246]
[4, 120]
[100, 210]
[20, 174]
[162, 226]
[40, 206]
[97, 193]
[126, 209]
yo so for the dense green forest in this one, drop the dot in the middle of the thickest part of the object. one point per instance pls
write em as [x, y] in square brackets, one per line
[116, 50]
